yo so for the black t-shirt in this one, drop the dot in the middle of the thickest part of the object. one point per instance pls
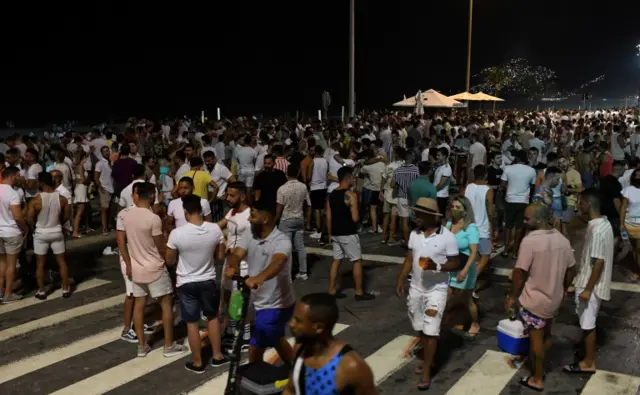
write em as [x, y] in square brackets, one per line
[493, 175]
[268, 182]
[610, 189]
[540, 166]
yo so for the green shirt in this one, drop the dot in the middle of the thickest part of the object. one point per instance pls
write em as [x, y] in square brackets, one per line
[421, 187]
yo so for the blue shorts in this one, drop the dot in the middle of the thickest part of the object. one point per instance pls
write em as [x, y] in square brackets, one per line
[202, 296]
[270, 325]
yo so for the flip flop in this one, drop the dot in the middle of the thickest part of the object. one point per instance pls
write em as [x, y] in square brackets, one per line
[525, 383]
[423, 385]
[575, 368]
[471, 335]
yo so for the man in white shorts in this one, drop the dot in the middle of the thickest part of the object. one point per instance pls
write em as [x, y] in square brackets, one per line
[236, 222]
[142, 244]
[47, 211]
[593, 281]
[246, 162]
[433, 253]
[128, 334]
[13, 229]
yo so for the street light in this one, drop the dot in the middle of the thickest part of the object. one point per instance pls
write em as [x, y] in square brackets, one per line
[352, 59]
[469, 46]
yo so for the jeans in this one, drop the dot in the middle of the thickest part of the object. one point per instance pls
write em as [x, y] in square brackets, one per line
[294, 228]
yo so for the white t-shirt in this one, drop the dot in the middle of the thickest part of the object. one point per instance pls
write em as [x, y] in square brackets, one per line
[237, 226]
[477, 152]
[126, 196]
[32, 174]
[633, 207]
[246, 158]
[425, 155]
[519, 179]
[334, 166]
[176, 210]
[220, 174]
[195, 245]
[8, 197]
[438, 247]
[625, 180]
[104, 169]
[442, 171]
[182, 170]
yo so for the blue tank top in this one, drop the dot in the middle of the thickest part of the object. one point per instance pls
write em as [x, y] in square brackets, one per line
[322, 381]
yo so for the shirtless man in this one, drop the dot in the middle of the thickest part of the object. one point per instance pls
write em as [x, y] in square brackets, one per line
[312, 324]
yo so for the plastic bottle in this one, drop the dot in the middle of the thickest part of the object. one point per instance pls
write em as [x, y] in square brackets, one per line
[235, 305]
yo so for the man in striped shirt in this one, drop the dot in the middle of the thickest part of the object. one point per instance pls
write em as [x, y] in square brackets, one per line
[281, 162]
[403, 177]
[593, 280]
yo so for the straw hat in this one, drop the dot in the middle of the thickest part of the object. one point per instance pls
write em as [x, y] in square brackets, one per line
[427, 206]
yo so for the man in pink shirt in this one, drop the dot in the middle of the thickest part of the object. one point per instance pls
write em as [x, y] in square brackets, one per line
[142, 245]
[546, 261]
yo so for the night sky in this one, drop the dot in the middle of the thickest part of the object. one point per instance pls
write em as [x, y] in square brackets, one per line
[117, 59]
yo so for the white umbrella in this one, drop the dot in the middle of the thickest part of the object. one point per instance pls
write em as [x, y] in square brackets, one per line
[419, 108]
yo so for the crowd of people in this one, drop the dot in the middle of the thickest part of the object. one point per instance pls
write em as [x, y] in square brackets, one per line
[453, 189]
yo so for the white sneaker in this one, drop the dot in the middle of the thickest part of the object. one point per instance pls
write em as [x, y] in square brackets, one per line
[143, 350]
[315, 235]
[175, 349]
[302, 276]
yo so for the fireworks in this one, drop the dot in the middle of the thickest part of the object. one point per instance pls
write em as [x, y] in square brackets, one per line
[516, 76]
[593, 81]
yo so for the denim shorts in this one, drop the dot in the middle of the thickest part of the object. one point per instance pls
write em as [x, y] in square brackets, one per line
[202, 296]
[270, 325]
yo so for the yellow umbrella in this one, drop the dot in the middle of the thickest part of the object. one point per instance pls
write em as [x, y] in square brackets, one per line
[484, 97]
[464, 96]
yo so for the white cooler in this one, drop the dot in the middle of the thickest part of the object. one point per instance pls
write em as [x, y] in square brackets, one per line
[511, 337]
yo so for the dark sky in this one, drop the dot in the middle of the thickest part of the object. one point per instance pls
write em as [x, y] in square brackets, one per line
[119, 59]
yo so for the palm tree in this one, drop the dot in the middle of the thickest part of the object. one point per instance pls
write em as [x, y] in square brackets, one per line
[496, 79]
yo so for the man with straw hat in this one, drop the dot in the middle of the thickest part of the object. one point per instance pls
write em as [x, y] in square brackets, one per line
[433, 253]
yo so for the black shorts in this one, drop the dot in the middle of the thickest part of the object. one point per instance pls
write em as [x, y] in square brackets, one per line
[374, 198]
[514, 215]
[202, 296]
[442, 205]
[318, 199]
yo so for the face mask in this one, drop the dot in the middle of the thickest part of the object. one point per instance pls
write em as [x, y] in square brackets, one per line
[457, 214]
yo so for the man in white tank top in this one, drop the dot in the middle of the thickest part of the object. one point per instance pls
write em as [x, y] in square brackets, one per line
[481, 197]
[47, 212]
[318, 188]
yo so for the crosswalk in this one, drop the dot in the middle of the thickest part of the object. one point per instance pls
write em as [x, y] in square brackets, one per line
[77, 350]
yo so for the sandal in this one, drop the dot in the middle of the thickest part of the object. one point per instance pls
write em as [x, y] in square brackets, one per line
[525, 383]
[423, 385]
[575, 368]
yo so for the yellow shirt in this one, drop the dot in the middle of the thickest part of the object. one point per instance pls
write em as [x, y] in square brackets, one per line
[201, 180]
[574, 180]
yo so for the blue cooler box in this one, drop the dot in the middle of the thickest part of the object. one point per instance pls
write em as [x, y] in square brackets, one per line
[511, 337]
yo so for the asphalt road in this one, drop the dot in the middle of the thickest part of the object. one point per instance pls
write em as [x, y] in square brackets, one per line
[72, 345]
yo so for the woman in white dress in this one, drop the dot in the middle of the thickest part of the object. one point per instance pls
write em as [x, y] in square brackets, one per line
[80, 191]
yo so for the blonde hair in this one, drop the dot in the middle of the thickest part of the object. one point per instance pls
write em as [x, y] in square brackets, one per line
[469, 216]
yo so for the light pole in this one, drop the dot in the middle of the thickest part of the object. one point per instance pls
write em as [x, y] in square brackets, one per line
[468, 86]
[352, 58]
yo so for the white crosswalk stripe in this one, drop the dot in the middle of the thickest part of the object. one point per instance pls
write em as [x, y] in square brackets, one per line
[21, 304]
[488, 375]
